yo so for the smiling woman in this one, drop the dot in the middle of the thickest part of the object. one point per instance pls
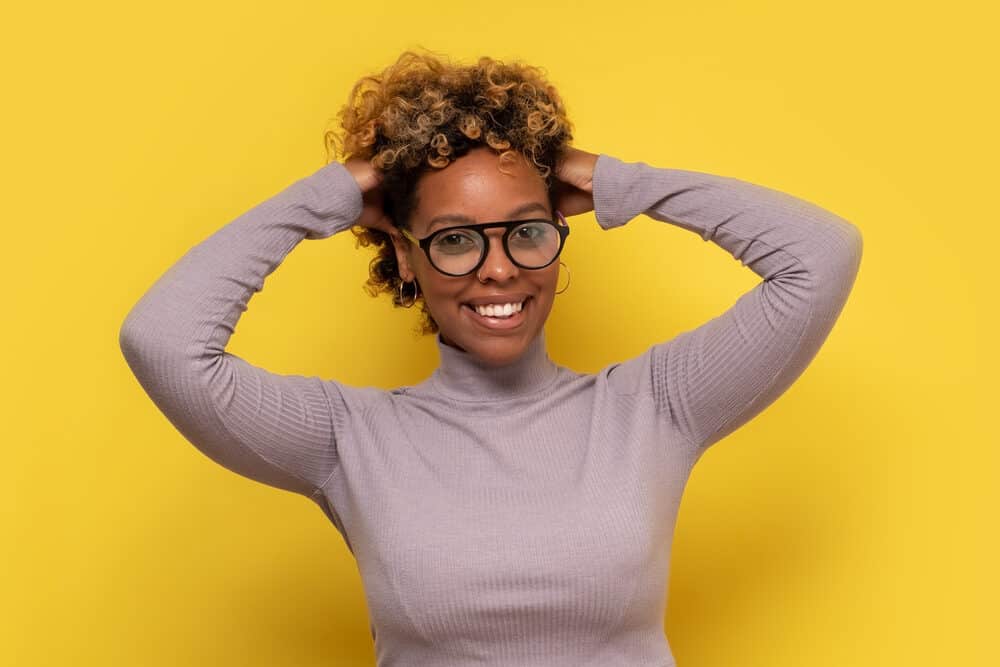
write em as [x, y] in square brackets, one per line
[487, 272]
[506, 510]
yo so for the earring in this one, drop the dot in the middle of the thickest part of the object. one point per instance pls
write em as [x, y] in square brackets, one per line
[416, 292]
[568, 275]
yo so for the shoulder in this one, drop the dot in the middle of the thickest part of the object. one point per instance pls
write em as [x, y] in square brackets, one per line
[630, 376]
[362, 396]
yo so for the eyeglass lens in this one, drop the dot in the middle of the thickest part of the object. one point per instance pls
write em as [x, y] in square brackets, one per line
[532, 245]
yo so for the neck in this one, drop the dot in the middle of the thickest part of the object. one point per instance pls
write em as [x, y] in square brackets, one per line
[464, 377]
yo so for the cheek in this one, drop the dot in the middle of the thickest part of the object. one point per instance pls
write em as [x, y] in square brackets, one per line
[424, 274]
[440, 293]
[552, 278]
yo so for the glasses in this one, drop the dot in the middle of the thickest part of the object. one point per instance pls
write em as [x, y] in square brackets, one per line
[460, 250]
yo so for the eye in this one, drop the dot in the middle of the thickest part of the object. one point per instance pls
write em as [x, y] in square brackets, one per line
[527, 232]
[531, 233]
[455, 241]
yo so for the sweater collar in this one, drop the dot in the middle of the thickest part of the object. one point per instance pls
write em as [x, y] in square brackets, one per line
[463, 377]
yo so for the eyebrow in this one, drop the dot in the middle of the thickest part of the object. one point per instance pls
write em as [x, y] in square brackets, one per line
[466, 220]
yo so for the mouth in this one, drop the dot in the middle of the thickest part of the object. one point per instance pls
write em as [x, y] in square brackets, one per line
[497, 317]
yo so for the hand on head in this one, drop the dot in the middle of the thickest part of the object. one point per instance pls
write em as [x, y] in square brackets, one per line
[573, 192]
[369, 179]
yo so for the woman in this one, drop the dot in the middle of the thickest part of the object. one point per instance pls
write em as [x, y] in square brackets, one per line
[506, 510]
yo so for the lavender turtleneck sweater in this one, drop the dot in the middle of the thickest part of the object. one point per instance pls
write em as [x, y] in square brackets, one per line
[520, 516]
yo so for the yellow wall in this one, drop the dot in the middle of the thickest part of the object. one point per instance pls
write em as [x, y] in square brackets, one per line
[854, 522]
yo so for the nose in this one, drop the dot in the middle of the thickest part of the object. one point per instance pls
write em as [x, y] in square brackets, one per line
[497, 265]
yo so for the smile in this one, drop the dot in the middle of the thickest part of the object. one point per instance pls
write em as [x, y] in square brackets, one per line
[498, 316]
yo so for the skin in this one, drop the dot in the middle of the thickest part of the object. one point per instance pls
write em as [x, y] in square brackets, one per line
[479, 186]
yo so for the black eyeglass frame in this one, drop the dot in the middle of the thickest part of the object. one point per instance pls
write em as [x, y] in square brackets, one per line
[510, 225]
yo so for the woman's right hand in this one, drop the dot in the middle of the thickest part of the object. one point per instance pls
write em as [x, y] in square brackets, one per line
[369, 180]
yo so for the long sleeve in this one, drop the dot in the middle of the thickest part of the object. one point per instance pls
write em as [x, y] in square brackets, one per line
[711, 380]
[276, 429]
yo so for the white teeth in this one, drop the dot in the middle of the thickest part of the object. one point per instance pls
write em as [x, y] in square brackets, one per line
[499, 310]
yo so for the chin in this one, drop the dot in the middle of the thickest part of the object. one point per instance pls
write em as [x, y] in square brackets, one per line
[500, 352]
[500, 359]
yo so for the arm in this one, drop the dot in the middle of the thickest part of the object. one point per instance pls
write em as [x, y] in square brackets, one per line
[276, 429]
[711, 380]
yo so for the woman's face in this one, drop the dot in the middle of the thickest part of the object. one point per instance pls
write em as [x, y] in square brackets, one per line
[474, 187]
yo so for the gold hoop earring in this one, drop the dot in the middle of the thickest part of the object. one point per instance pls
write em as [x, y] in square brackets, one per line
[416, 293]
[569, 275]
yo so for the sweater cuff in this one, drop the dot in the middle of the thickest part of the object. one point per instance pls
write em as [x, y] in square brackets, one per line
[613, 183]
[337, 199]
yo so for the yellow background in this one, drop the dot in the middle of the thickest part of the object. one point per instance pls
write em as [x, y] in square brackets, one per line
[854, 522]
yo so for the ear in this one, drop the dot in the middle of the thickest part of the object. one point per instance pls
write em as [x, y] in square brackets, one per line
[402, 247]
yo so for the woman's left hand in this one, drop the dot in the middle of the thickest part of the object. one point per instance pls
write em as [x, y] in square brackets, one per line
[573, 191]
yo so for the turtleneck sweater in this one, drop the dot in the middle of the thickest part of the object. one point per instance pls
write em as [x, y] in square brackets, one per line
[520, 515]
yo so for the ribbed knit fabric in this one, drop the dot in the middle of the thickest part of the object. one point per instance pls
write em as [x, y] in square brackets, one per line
[519, 516]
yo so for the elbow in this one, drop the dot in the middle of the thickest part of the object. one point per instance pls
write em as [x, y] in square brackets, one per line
[842, 251]
[855, 249]
[128, 337]
[840, 266]
[129, 330]
[834, 261]
[137, 340]
[856, 239]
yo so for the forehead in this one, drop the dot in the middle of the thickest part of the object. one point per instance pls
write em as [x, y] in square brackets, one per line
[478, 187]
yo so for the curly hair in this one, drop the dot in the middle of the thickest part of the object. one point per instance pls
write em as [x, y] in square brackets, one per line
[422, 112]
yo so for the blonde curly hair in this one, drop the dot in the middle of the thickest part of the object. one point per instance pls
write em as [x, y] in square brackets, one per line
[424, 111]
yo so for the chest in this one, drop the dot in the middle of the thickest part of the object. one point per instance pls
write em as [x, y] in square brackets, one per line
[475, 530]
[518, 529]
[510, 567]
